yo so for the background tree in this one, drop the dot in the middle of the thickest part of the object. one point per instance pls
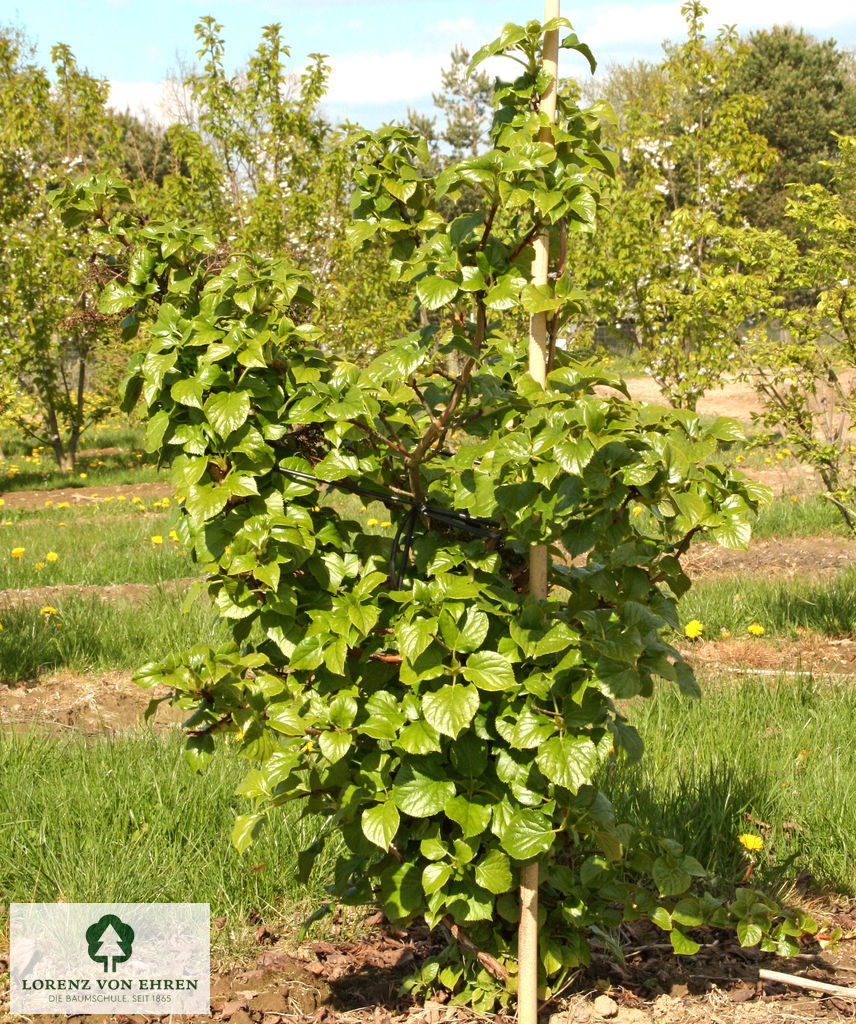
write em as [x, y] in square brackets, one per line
[808, 95]
[57, 350]
[667, 261]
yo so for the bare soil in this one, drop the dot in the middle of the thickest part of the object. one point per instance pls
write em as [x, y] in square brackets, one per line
[737, 399]
[88, 704]
[79, 496]
[128, 593]
[358, 982]
[820, 556]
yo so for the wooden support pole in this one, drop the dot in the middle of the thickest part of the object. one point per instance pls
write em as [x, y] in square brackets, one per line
[527, 940]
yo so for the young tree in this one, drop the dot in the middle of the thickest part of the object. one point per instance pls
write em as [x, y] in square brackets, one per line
[447, 723]
[807, 98]
[54, 342]
[808, 380]
[667, 260]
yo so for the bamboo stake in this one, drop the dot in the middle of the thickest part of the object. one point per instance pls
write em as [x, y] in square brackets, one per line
[527, 941]
[809, 983]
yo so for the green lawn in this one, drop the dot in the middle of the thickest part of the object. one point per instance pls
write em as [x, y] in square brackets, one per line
[780, 752]
[126, 819]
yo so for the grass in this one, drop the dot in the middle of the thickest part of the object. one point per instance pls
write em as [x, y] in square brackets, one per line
[90, 635]
[770, 758]
[126, 819]
[807, 517]
[783, 608]
[90, 550]
[120, 468]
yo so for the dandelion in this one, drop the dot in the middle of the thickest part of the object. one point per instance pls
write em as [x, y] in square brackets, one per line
[385, 524]
[165, 502]
[693, 629]
[794, 499]
[172, 535]
[109, 497]
[756, 629]
[371, 522]
[2, 502]
[157, 539]
[751, 842]
[121, 497]
[18, 552]
[64, 504]
[768, 460]
[156, 504]
[63, 524]
[51, 556]
[48, 503]
[48, 610]
[40, 565]
[637, 511]
[725, 633]
[82, 476]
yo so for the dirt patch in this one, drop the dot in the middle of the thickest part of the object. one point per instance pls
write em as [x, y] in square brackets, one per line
[818, 556]
[83, 495]
[87, 704]
[359, 983]
[127, 593]
[812, 653]
[736, 399]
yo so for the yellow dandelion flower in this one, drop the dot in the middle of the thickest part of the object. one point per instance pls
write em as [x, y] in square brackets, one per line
[740, 458]
[157, 539]
[48, 503]
[2, 502]
[51, 556]
[693, 629]
[794, 499]
[108, 497]
[82, 476]
[18, 552]
[371, 522]
[135, 500]
[637, 511]
[121, 497]
[725, 633]
[787, 451]
[768, 460]
[165, 502]
[156, 504]
[385, 524]
[1, 625]
[63, 524]
[172, 535]
[750, 841]
[48, 610]
[40, 565]
[64, 504]
[756, 629]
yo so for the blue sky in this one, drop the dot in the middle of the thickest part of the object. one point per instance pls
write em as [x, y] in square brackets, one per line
[385, 55]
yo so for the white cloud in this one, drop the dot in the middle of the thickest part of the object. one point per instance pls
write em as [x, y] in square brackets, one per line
[149, 101]
[637, 29]
[372, 78]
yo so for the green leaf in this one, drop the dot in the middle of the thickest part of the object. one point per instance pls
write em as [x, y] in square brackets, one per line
[493, 872]
[413, 637]
[227, 410]
[489, 671]
[451, 709]
[472, 631]
[245, 830]
[435, 292]
[527, 835]
[749, 933]
[682, 944]
[569, 761]
[334, 745]
[435, 876]
[669, 877]
[421, 793]
[473, 817]
[380, 823]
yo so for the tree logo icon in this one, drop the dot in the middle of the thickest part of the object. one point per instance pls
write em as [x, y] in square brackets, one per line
[109, 941]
